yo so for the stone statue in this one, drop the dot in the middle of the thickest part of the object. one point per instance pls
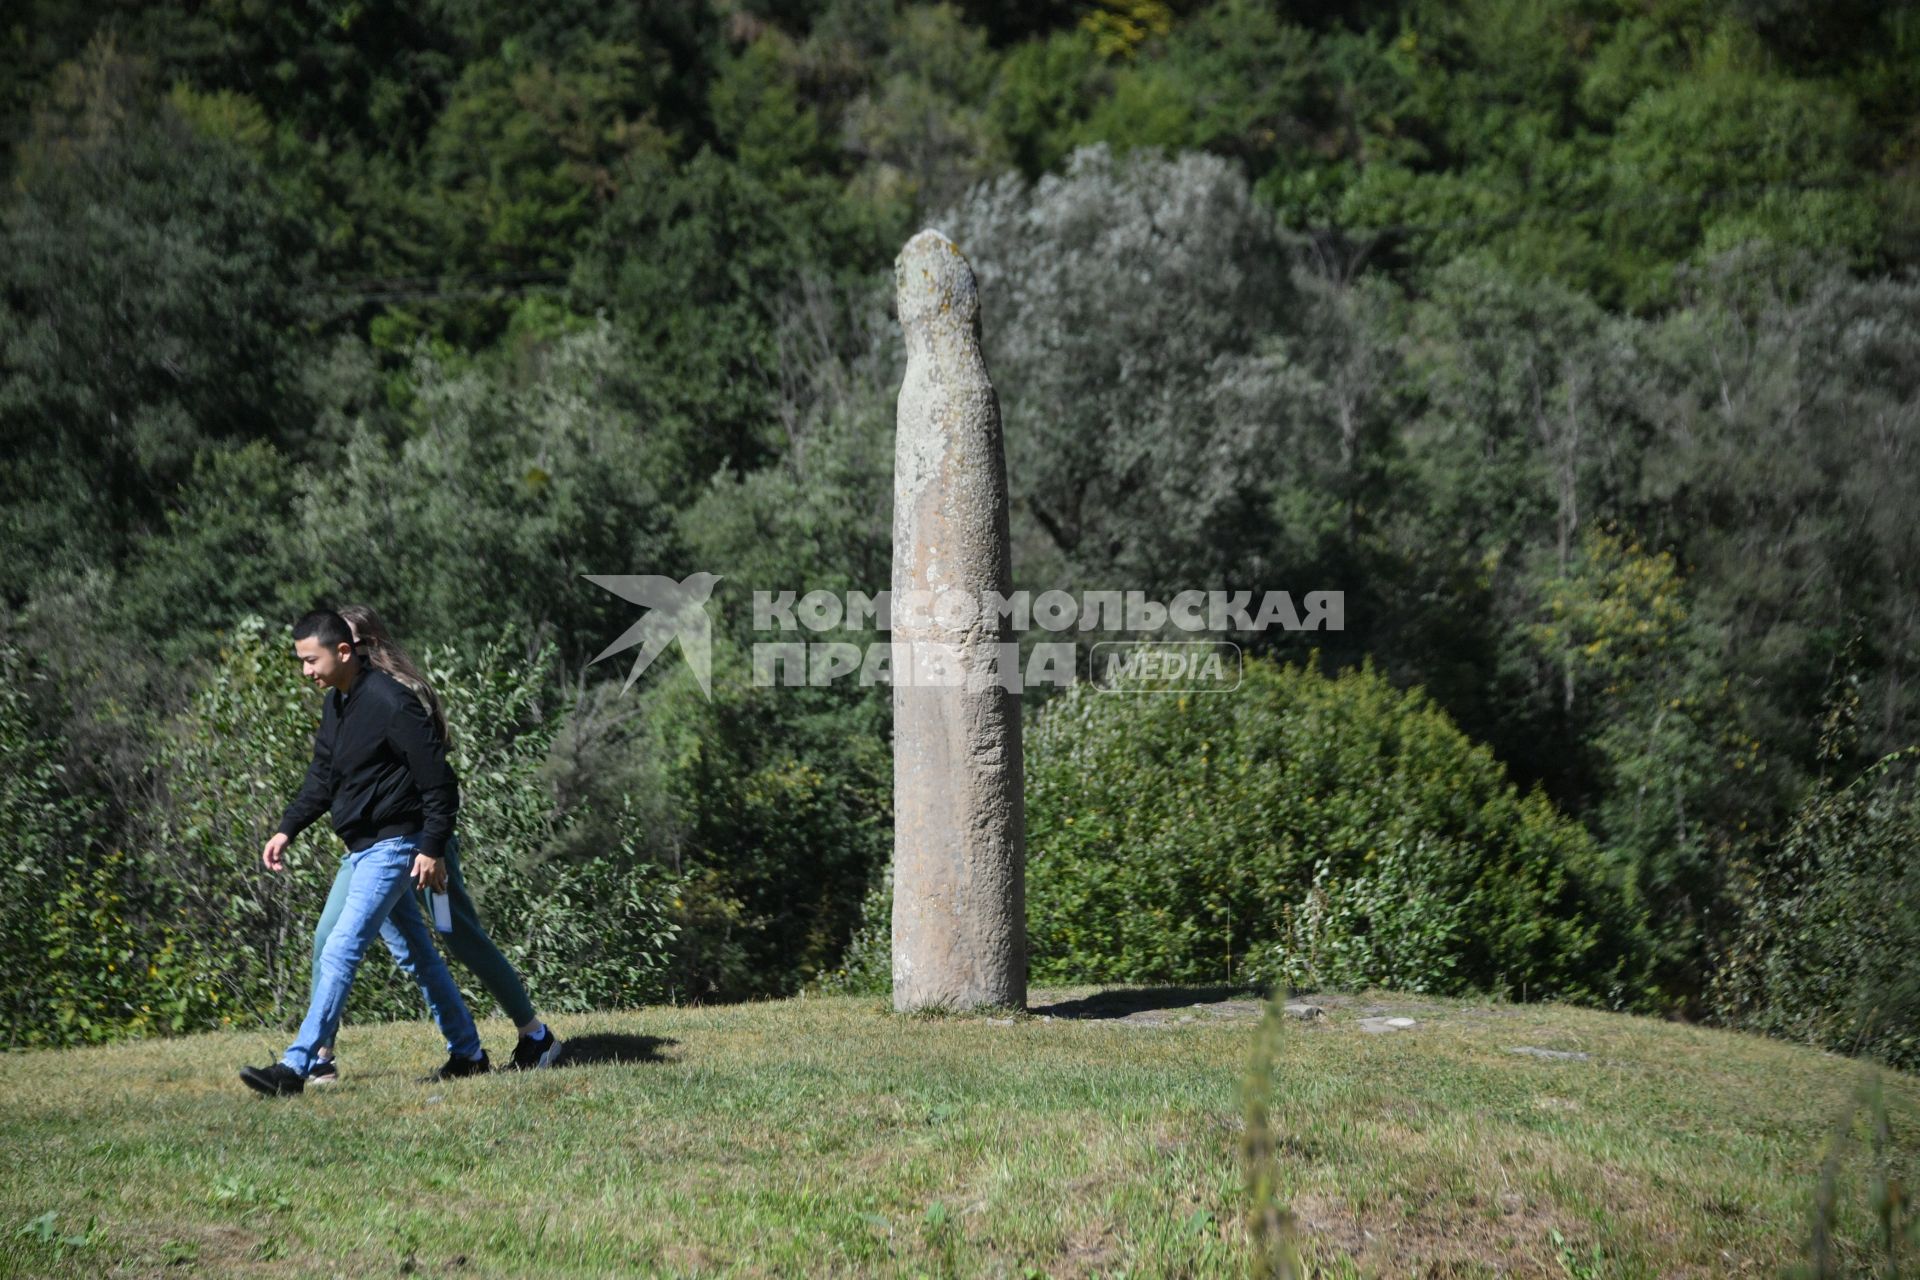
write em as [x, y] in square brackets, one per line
[959, 812]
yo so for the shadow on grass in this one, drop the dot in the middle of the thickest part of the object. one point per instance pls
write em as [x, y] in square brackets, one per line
[1126, 1002]
[595, 1050]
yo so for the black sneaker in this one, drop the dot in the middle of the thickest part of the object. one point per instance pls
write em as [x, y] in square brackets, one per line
[323, 1071]
[273, 1081]
[531, 1054]
[456, 1066]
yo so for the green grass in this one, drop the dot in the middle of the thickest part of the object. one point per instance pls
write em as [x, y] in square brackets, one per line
[826, 1136]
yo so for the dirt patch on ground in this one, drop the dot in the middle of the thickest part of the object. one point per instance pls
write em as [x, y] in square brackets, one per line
[1089, 1251]
[172, 1248]
[1507, 1236]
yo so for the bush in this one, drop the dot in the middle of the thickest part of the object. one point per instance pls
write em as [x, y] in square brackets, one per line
[1831, 923]
[38, 820]
[1312, 829]
[185, 930]
[586, 930]
[1320, 831]
[867, 968]
[776, 803]
[85, 959]
[585, 935]
[112, 965]
[232, 759]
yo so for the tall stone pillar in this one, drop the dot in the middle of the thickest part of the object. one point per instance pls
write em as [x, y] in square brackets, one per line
[959, 813]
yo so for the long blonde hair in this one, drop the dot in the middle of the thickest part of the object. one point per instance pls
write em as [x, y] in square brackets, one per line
[371, 638]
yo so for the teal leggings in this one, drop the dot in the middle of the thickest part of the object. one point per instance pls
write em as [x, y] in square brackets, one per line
[468, 942]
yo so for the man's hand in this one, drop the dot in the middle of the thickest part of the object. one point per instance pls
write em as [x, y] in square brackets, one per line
[429, 873]
[276, 846]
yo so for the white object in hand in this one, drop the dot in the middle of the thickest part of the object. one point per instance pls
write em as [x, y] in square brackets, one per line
[442, 911]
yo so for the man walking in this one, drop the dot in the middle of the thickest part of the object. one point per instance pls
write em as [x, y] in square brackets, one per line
[380, 769]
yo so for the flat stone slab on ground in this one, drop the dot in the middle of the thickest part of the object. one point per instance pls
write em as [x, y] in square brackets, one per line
[1184, 1006]
[1380, 1026]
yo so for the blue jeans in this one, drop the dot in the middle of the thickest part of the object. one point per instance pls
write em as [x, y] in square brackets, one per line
[380, 901]
[468, 942]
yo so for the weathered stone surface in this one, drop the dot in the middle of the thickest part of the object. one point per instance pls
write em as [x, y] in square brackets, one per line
[1381, 1026]
[959, 887]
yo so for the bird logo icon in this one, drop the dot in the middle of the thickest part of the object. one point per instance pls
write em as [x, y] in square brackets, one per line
[675, 609]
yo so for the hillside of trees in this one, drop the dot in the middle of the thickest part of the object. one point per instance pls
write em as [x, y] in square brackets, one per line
[1577, 341]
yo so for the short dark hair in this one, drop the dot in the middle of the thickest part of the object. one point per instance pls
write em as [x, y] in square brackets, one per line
[324, 625]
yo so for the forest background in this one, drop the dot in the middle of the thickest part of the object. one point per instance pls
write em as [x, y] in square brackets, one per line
[1576, 342]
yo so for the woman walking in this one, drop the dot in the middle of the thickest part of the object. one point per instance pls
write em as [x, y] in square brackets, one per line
[469, 943]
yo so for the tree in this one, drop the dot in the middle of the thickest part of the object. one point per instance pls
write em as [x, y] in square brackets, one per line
[1733, 154]
[691, 262]
[1787, 397]
[152, 304]
[504, 488]
[1122, 303]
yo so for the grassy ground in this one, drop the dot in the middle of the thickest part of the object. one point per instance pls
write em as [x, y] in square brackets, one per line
[828, 1136]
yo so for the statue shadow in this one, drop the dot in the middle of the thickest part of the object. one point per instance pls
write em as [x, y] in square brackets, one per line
[608, 1047]
[1125, 1002]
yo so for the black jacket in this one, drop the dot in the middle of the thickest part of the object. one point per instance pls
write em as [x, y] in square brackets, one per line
[380, 766]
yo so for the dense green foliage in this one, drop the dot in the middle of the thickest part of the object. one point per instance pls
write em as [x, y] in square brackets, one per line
[1830, 917]
[1304, 830]
[1321, 832]
[1826, 951]
[219, 940]
[1576, 342]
